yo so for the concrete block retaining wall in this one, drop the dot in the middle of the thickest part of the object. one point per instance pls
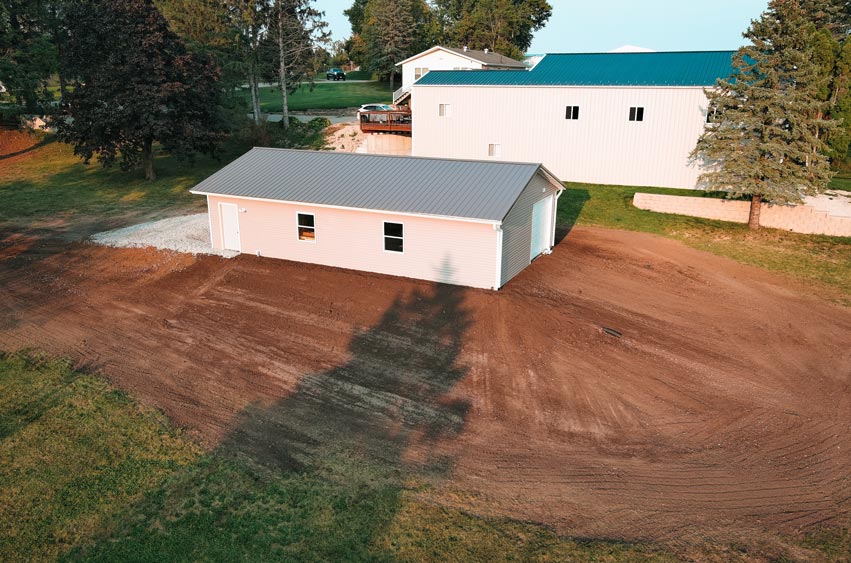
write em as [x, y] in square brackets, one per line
[795, 218]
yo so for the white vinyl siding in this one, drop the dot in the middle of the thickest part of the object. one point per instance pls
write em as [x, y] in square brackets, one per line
[602, 147]
[436, 60]
[517, 228]
[446, 251]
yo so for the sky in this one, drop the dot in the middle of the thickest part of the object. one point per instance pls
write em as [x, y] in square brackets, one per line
[602, 25]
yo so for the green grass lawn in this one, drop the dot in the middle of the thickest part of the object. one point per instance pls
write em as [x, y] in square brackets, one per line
[86, 474]
[810, 258]
[51, 184]
[74, 453]
[325, 95]
[841, 181]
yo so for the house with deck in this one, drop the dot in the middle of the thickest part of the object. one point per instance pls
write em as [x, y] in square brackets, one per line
[464, 222]
[627, 118]
[440, 57]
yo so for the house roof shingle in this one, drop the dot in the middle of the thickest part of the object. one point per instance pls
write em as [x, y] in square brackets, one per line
[489, 58]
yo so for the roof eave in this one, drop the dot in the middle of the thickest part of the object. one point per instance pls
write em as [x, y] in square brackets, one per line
[551, 177]
[364, 209]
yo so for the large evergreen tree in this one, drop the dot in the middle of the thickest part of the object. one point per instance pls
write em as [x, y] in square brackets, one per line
[135, 84]
[766, 136]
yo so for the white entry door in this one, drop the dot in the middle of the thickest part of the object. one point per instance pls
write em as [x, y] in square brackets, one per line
[229, 215]
[542, 216]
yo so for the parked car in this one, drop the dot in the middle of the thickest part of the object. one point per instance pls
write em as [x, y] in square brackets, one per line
[335, 74]
[375, 107]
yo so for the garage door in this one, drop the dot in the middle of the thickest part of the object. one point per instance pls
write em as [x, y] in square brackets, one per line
[542, 216]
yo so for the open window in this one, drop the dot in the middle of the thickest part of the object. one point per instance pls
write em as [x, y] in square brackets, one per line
[444, 110]
[495, 149]
[394, 237]
[307, 227]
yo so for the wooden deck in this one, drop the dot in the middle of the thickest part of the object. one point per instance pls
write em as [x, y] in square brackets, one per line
[396, 121]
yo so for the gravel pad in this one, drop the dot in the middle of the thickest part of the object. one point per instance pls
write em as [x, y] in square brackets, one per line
[190, 233]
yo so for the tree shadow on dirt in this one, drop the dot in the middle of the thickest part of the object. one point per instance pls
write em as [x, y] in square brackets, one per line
[570, 206]
[387, 402]
[45, 141]
[320, 475]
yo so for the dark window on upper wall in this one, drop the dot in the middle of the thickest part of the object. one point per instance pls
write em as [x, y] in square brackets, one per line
[572, 112]
[636, 114]
[306, 227]
[394, 237]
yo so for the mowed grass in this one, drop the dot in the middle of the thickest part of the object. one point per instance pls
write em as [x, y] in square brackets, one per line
[50, 183]
[809, 258]
[74, 452]
[325, 95]
[89, 475]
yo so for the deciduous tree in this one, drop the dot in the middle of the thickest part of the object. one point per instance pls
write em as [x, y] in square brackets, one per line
[234, 32]
[388, 33]
[27, 54]
[298, 28]
[135, 84]
[506, 26]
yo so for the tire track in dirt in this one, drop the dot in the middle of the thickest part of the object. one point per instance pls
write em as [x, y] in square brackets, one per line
[723, 412]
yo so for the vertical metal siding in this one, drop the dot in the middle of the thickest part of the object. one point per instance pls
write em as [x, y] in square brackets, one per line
[517, 228]
[601, 147]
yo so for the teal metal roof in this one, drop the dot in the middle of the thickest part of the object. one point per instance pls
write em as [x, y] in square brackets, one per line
[694, 68]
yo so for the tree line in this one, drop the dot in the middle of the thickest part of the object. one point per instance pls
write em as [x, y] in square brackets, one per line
[135, 73]
[385, 32]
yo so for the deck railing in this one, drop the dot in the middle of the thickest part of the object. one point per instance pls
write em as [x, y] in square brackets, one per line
[385, 121]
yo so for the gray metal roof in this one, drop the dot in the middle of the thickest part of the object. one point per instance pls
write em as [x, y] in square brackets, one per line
[490, 58]
[469, 189]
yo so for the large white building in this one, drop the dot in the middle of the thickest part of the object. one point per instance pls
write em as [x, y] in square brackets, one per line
[449, 58]
[603, 118]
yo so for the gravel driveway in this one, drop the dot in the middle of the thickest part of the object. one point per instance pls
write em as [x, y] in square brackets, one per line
[190, 233]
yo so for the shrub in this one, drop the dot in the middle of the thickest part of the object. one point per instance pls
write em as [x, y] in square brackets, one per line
[359, 75]
[300, 135]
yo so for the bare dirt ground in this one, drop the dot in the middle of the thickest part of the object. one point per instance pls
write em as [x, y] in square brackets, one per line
[14, 143]
[723, 413]
[344, 137]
